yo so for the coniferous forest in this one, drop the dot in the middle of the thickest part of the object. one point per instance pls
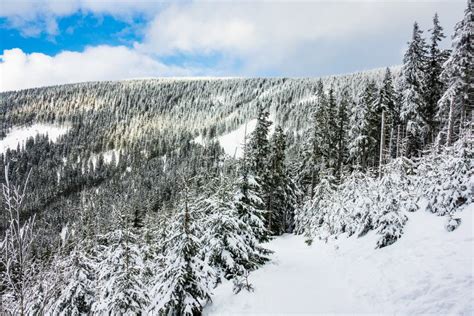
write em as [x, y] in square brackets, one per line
[140, 208]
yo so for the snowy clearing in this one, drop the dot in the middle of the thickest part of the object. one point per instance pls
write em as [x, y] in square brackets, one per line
[428, 271]
[233, 142]
[19, 134]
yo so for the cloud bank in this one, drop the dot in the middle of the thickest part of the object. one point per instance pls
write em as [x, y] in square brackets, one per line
[19, 70]
[287, 38]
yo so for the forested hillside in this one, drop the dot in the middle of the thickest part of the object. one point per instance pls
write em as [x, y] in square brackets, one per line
[135, 207]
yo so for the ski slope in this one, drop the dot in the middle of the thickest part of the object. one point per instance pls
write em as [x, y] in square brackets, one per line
[428, 271]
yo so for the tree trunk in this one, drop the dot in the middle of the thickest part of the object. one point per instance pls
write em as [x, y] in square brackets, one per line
[382, 142]
[449, 137]
[397, 154]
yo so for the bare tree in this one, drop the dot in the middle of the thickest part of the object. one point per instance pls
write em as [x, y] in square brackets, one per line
[16, 259]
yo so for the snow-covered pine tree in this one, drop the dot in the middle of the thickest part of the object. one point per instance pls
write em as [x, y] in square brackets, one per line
[121, 288]
[342, 119]
[413, 90]
[457, 102]
[355, 195]
[248, 199]
[249, 206]
[319, 209]
[434, 84]
[311, 163]
[230, 245]
[283, 193]
[185, 283]
[446, 177]
[329, 114]
[257, 153]
[78, 270]
[388, 108]
[359, 131]
[390, 218]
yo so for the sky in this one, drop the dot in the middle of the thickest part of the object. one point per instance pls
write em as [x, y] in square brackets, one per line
[49, 42]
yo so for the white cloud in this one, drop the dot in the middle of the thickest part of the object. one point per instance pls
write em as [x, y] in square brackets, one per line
[33, 17]
[19, 70]
[266, 35]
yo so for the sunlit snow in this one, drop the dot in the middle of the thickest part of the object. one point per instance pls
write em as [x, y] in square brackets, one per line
[428, 271]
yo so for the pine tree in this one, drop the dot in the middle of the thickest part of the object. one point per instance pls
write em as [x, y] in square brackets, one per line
[230, 244]
[329, 114]
[387, 106]
[249, 206]
[371, 132]
[257, 153]
[312, 154]
[341, 133]
[77, 296]
[434, 84]
[318, 211]
[258, 146]
[390, 219]
[456, 104]
[359, 131]
[186, 279]
[121, 288]
[283, 194]
[413, 91]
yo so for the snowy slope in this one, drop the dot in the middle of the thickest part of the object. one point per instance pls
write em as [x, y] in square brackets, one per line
[233, 142]
[18, 135]
[428, 271]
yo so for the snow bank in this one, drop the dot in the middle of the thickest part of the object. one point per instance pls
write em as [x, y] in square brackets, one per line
[19, 134]
[428, 271]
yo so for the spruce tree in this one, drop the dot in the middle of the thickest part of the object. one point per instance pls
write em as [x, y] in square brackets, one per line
[257, 153]
[315, 144]
[388, 116]
[434, 84]
[370, 99]
[186, 279]
[359, 130]
[78, 269]
[457, 102]
[121, 288]
[283, 194]
[413, 91]
[341, 152]
[230, 246]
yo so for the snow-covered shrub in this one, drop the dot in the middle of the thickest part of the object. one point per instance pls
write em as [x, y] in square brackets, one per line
[361, 203]
[446, 178]
[389, 217]
[452, 223]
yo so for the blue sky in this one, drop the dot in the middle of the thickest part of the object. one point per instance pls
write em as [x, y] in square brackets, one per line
[46, 42]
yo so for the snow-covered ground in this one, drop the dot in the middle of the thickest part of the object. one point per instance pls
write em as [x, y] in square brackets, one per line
[19, 134]
[428, 271]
